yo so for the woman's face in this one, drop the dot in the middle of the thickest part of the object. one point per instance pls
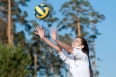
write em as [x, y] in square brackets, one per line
[77, 43]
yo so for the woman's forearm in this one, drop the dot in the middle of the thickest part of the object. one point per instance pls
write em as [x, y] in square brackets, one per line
[64, 46]
[52, 44]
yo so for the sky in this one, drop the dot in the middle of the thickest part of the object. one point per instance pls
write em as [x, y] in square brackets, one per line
[105, 43]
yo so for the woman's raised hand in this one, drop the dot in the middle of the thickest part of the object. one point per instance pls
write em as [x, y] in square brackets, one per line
[40, 32]
[53, 34]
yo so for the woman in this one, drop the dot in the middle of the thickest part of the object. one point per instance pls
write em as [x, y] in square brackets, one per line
[78, 61]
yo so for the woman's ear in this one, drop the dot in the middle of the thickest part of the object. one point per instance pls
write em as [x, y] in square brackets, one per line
[82, 46]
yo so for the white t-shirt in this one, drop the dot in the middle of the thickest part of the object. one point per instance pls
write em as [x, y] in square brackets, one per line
[78, 67]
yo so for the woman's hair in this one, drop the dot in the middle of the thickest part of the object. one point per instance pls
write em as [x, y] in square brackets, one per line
[86, 51]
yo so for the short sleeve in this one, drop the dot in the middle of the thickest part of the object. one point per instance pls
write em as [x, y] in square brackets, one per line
[64, 57]
[77, 53]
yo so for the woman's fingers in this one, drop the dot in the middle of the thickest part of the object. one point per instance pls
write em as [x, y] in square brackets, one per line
[51, 33]
[54, 30]
[39, 28]
[36, 32]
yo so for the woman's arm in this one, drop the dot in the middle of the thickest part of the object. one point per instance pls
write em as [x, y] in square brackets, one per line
[61, 44]
[63, 56]
[64, 46]
[52, 44]
[40, 32]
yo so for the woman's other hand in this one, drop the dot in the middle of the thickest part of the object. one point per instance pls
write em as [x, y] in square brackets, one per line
[54, 34]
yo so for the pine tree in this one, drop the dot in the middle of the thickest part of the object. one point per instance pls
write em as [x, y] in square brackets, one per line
[14, 62]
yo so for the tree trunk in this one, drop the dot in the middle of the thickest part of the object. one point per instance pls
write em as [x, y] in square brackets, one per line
[35, 61]
[9, 34]
[78, 28]
[9, 23]
[51, 65]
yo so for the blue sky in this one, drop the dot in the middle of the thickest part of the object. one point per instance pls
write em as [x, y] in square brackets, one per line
[105, 43]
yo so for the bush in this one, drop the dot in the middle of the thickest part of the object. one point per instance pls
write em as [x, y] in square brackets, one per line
[14, 61]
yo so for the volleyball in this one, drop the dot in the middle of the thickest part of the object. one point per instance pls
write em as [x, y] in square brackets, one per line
[41, 11]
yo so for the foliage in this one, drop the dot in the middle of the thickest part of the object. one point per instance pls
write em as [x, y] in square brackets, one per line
[14, 62]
